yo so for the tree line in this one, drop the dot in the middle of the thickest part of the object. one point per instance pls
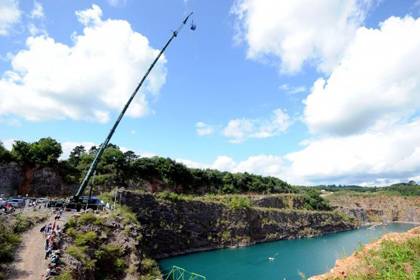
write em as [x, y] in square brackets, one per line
[126, 169]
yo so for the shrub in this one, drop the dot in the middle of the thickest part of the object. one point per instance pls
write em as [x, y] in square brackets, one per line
[66, 275]
[86, 238]
[71, 222]
[128, 216]
[238, 202]
[109, 259]
[90, 218]
[77, 253]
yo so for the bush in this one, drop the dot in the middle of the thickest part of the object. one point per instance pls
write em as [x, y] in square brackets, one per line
[128, 216]
[109, 259]
[238, 202]
[66, 275]
[77, 253]
[315, 202]
[86, 238]
[72, 222]
[90, 218]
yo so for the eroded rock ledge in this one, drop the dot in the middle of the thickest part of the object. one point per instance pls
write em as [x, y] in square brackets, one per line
[175, 227]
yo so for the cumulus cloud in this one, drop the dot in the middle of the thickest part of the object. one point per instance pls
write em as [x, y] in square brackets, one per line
[204, 129]
[387, 154]
[295, 32]
[84, 81]
[376, 84]
[9, 15]
[242, 129]
[364, 116]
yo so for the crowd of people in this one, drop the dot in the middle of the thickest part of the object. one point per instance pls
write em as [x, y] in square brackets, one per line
[51, 232]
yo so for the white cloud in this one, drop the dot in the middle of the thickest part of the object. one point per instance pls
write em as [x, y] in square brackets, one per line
[238, 129]
[90, 17]
[38, 11]
[193, 164]
[391, 154]
[9, 15]
[376, 84]
[204, 129]
[415, 178]
[292, 90]
[35, 30]
[242, 129]
[296, 32]
[86, 81]
[8, 143]
[68, 146]
[266, 165]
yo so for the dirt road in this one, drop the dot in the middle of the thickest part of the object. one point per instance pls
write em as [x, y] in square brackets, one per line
[30, 263]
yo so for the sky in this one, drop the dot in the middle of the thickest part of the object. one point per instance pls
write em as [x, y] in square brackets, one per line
[311, 92]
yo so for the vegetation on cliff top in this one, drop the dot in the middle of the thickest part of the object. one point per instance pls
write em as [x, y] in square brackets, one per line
[126, 169]
[409, 189]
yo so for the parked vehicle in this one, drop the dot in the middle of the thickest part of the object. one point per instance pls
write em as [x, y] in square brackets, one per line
[17, 202]
[42, 200]
[3, 203]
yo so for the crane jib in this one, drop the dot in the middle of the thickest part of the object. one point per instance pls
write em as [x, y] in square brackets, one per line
[104, 145]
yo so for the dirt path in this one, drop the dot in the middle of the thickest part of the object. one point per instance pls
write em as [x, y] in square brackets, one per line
[30, 263]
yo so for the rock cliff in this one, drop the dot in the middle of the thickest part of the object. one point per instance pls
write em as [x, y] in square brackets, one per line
[44, 181]
[175, 227]
[378, 208]
[10, 178]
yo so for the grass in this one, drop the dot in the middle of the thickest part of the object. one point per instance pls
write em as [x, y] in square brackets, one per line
[392, 261]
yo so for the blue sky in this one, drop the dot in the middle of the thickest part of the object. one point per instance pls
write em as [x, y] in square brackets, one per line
[313, 93]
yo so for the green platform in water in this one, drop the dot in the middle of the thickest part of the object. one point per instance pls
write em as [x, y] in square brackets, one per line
[310, 256]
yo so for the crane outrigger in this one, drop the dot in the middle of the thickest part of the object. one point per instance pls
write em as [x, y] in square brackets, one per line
[78, 199]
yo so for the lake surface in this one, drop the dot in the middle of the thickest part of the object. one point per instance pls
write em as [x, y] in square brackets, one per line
[311, 256]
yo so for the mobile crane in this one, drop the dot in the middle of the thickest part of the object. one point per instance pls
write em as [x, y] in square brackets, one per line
[78, 201]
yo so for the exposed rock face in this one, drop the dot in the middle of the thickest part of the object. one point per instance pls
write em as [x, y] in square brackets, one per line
[17, 180]
[10, 178]
[360, 214]
[289, 201]
[379, 208]
[173, 228]
[46, 181]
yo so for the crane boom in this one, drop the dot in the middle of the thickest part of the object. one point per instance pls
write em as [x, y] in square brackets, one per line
[92, 167]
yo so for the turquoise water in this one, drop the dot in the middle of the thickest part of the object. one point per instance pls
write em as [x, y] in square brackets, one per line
[311, 256]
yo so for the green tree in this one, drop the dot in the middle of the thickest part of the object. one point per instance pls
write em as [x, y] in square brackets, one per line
[45, 152]
[5, 155]
[21, 153]
[74, 157]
